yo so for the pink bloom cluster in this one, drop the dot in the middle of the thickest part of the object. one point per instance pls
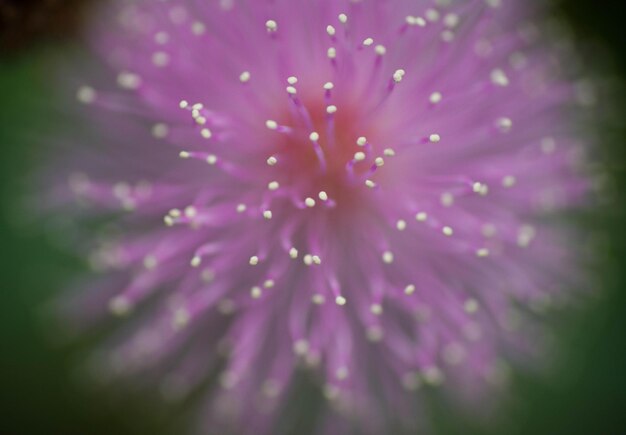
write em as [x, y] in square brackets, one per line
[358, 188]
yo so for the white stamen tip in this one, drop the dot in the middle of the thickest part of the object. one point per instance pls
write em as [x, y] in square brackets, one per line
[359, 156]
[401, 225]
[331, 109]
[435, 97]
[272, 125]
[409, 289]
[361, 141]
[254, 260]
[340, 300]
[244, 77]
[309, 202]
[271, 25]
[387, 257]
[267, 214]
[398, 75]
[434, 138]
[323, 196]
[499, 77]
[376, 309]
[273, 185]
[314, 136]
[447, 231]
[272, 161]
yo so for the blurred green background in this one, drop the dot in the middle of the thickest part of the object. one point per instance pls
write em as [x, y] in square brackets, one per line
[39, 390]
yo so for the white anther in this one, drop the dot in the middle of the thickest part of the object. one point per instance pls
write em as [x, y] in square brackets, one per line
[254, 260]
[447, 199]
[361, 141]
[509, 181]
[398, 75]
[206, 133]
[128, 80]
[331, 109]
[387, 257]
[447, 231]
[150, 262]
[435, 97]
[329, 86]
[340, 300]
[368, 41]
[421, 216]
[323, 196]
[331, 53]
[272, 160]
[471, 305]
[184, 154]
[389, 152]
[271, 26]
[316, 259]
[380, 50]
[292, 80]
[244, 77]
[330, 30]
[291, 90]
[376, 309]
[359, 156]
[293, 253]
[198, 28]
[309, 202]
[499, 77]
[409, 289]
[318, 299]
[273, 185]
[434, 138]
[504, 124]
[241, 208]
[314, 136]
[370, 184]
[211, 159]
[379, 161]
[269, 283]
[267, 214]
[272, 125]
[86, 94]
[183, 104]
[120, 305]
[195, 261]
[482, 252]
[256, 292]
[401, 225]
[160, 59]
[301, 347]
[307, 259]
[343, 18]
[159, 130]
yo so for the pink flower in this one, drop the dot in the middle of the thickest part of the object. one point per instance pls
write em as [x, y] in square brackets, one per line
[356, 187]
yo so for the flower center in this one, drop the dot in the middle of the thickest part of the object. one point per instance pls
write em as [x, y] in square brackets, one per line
[323, 153]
